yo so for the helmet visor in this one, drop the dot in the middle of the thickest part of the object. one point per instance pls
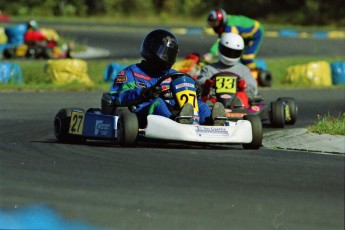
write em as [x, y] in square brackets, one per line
[166, 53]
[213, 23]
[228, 52]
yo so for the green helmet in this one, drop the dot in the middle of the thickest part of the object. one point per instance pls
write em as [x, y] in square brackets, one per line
[32, 24]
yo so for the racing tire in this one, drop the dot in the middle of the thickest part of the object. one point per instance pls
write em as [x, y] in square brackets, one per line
[127, 128]
[291, 111]
[62, 122]
[256, 132]
[277, 114]
[8, 53]
[265, 78]
[46, 53]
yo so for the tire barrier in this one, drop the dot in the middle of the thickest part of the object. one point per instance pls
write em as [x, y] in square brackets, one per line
[338, 73]
[312, 73]
[65, 71]
[10, 73]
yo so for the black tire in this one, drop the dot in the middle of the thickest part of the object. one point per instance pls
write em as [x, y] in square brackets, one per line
[46, 53]
[291, 113]
[127, 128]
[277, 114]
[8, 53]
[256, 132]
[62, 122]
[31, 53]
[264, 78]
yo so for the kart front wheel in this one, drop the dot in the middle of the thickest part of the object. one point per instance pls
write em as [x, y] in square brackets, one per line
[257, 132]
[277, 114]
[127, 128]
[62, 122]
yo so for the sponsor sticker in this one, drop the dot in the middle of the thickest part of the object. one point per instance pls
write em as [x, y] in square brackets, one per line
[225, 96]
[185, 84]
[102, 129]
[141, 85]
[138, 75]
[235, 114]
[211, 131]
[121, 78]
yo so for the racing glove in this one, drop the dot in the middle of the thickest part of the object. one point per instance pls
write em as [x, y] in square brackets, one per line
[151, 92]
[242, 85]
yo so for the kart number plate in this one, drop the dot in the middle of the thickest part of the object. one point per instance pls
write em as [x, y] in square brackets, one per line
[187, 96]
[77, 123]
[226, 84]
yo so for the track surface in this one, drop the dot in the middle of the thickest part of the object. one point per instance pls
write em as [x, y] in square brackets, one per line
[167, 186]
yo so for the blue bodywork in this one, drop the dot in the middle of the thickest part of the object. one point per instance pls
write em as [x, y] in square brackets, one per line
[93, 125]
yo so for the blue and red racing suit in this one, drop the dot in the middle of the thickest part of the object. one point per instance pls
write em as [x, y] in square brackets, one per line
[126, 91]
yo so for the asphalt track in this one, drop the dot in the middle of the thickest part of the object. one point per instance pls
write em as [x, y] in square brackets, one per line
[167, 186]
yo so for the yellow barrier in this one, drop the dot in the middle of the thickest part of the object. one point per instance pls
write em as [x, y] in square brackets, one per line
[3, 37]
[64, 71]
[50, 34]
[313, 73]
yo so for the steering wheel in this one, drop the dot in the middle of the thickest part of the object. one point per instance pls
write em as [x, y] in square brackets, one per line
[173, 76]
[176, 75]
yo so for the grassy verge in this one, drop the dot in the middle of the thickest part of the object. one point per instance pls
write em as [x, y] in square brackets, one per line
[35, 76]
[329, 125]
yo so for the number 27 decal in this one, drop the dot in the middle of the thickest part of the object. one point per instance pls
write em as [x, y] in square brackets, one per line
[187, 96]
[77, 123]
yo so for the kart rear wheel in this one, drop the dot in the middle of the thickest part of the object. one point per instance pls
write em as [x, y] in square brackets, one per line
[62, 122]
[256, 132]
[127, 128]
[8, 53]
[291, 110]
[277, 114]
[265, 78]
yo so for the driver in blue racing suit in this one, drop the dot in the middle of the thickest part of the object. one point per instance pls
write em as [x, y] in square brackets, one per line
[135, 85]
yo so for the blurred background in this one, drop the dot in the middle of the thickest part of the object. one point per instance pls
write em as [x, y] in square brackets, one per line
[290, 12]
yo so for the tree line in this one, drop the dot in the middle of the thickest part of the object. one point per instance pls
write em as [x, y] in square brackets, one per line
[295, 12]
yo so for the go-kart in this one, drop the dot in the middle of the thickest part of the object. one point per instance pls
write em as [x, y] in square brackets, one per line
[120, 124]
[225, 89]
[45, 50]
[193, 63]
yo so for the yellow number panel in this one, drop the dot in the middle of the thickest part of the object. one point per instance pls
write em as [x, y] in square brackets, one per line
[77, 123]
[187, 96]
[226, 84]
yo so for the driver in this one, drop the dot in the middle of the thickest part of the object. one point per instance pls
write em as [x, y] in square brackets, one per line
[251, 31]
[33, 33]
[135, 85]
[230, 49]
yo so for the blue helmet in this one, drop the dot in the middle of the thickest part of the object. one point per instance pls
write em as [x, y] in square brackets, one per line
[160, 48]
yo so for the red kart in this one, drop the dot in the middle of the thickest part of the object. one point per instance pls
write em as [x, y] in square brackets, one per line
[229, 89]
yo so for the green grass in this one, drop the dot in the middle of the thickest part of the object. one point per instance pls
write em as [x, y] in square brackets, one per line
[35, 76]
[329, 125]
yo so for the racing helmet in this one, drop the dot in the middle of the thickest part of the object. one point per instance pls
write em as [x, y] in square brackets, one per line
[32, 24]
[230, 48]
[217, 20]
[159, 48]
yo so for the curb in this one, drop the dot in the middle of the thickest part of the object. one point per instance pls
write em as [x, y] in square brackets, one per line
[92, 52]
[300, 139]
[288, 33]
